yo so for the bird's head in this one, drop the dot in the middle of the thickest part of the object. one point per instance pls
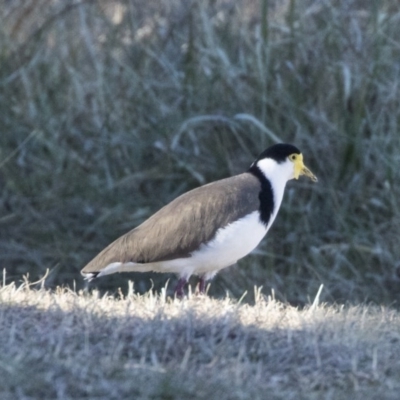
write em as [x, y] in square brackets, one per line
[284, 161]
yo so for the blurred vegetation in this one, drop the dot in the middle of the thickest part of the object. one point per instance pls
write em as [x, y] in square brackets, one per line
[110, 109]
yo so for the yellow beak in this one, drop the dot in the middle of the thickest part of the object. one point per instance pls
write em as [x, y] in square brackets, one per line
[301, 169]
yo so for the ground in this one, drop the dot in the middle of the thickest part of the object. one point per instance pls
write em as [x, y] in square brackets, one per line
[62, 344]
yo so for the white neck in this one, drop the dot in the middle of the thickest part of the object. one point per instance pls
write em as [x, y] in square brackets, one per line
[278, 175]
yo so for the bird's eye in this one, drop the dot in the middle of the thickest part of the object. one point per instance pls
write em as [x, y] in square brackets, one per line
[293, 157]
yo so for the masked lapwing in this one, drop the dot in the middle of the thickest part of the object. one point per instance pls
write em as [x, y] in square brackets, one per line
[208, 228]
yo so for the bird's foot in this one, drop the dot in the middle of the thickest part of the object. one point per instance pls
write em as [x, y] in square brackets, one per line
[179, 290]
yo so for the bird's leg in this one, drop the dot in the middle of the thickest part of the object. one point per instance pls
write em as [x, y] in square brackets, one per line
[179, 292]
[202, 285]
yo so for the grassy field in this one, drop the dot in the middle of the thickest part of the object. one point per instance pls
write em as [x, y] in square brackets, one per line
[109, 110]
[68, 345]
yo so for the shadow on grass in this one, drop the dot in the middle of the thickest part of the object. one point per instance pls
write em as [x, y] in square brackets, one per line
[68, 345]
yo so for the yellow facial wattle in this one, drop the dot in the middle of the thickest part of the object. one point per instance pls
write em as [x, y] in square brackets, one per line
[301, 169]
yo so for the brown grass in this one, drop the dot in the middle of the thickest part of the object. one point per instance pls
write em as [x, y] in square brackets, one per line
[62, 345]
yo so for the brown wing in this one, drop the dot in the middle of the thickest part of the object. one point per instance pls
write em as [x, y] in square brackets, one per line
[180, 227]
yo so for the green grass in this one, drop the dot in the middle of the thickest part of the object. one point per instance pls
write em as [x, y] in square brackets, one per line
[68, 345]
[108, 110]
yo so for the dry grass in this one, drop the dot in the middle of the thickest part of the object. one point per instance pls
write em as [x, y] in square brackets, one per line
[64, 345]
[110, 109]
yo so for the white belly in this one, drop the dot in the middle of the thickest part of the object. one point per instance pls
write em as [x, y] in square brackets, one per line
[230, 244]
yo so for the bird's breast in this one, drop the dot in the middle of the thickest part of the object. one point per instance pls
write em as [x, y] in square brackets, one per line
[230, 244]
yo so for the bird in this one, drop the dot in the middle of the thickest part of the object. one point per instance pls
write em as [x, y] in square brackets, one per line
[207, 228]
